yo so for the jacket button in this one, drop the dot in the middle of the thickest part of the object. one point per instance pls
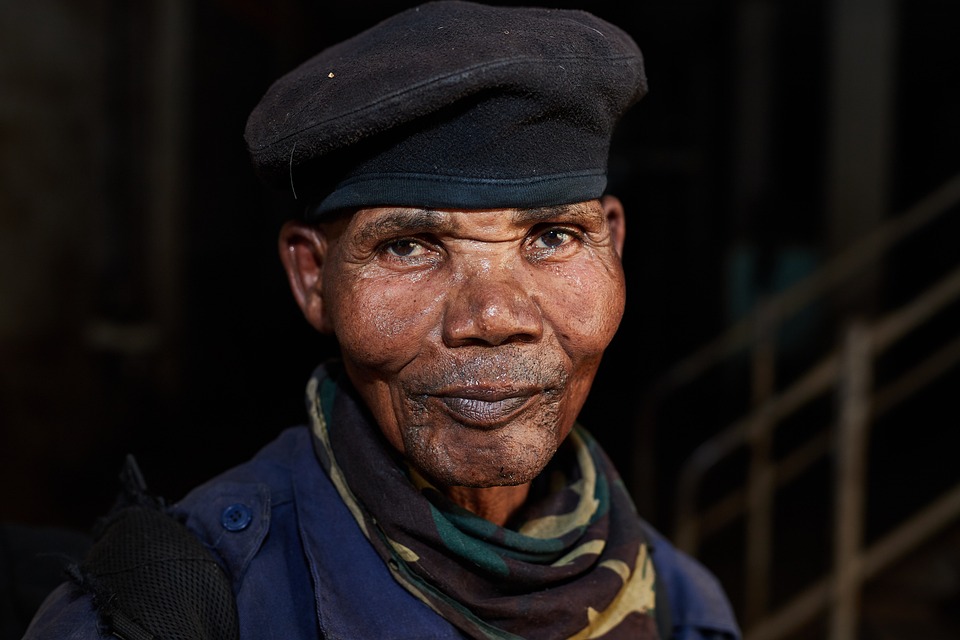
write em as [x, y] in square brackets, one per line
[236, 517]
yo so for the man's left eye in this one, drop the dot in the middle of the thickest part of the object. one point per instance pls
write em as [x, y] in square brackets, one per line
[553, 238]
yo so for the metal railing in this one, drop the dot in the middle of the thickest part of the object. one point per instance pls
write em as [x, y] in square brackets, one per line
[849, 370]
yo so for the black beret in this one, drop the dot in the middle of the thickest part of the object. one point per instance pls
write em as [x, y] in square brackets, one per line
[451, 105]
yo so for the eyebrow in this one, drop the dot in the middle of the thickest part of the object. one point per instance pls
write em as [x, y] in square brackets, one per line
[569, 213]
[397, 221]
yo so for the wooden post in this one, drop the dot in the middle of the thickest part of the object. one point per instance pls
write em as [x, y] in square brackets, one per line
[166, 171]
[860, 138]
[855, 388]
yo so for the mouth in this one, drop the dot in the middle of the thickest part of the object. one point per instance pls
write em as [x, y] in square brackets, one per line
[483, 408]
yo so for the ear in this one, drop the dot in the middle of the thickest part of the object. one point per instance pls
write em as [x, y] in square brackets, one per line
[616, 221]
[303, 251]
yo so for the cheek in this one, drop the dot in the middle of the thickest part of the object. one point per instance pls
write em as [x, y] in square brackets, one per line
[585, 305]
[380, 323]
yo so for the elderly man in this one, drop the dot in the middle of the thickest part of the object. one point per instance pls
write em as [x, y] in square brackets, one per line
[457, 242]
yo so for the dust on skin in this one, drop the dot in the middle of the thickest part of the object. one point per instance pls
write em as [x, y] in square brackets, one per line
[473, 336]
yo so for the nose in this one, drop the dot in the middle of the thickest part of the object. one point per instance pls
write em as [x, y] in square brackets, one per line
[491, 308]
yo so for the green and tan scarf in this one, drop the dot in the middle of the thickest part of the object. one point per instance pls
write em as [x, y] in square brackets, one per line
[573, 565]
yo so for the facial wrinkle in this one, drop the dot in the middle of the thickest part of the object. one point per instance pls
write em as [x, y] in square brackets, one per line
[400, 222]
[581, 212]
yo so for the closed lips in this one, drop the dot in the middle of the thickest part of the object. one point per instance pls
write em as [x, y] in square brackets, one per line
[485, 409]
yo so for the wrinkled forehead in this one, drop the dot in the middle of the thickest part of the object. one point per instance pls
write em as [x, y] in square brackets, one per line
[375, 222]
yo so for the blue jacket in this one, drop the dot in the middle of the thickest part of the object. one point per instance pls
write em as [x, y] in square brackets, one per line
[301, 567]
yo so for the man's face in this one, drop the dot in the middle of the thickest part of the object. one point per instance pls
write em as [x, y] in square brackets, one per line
[473, 336]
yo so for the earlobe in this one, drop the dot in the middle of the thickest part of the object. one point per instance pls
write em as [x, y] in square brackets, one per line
[616, 221]
[303, 252]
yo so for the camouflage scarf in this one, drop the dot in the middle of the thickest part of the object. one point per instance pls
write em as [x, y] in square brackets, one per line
[576, 565]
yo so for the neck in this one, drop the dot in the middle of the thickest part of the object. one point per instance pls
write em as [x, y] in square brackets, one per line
[495, 504]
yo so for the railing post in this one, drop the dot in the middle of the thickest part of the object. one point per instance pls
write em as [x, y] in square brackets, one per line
[688, 520]
[760, 488]
[855, 386]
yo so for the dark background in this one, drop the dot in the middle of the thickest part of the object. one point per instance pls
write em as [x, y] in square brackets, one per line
[143, 309]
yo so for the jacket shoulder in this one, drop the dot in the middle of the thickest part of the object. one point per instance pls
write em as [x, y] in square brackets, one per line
[232, 513]
[699, 607]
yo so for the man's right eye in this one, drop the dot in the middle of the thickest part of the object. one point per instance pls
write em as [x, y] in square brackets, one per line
[404, 248]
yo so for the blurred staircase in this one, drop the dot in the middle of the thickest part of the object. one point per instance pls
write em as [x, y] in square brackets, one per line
[869, 547]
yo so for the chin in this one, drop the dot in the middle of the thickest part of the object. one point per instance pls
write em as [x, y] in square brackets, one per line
[482, 467]
[507, 479]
